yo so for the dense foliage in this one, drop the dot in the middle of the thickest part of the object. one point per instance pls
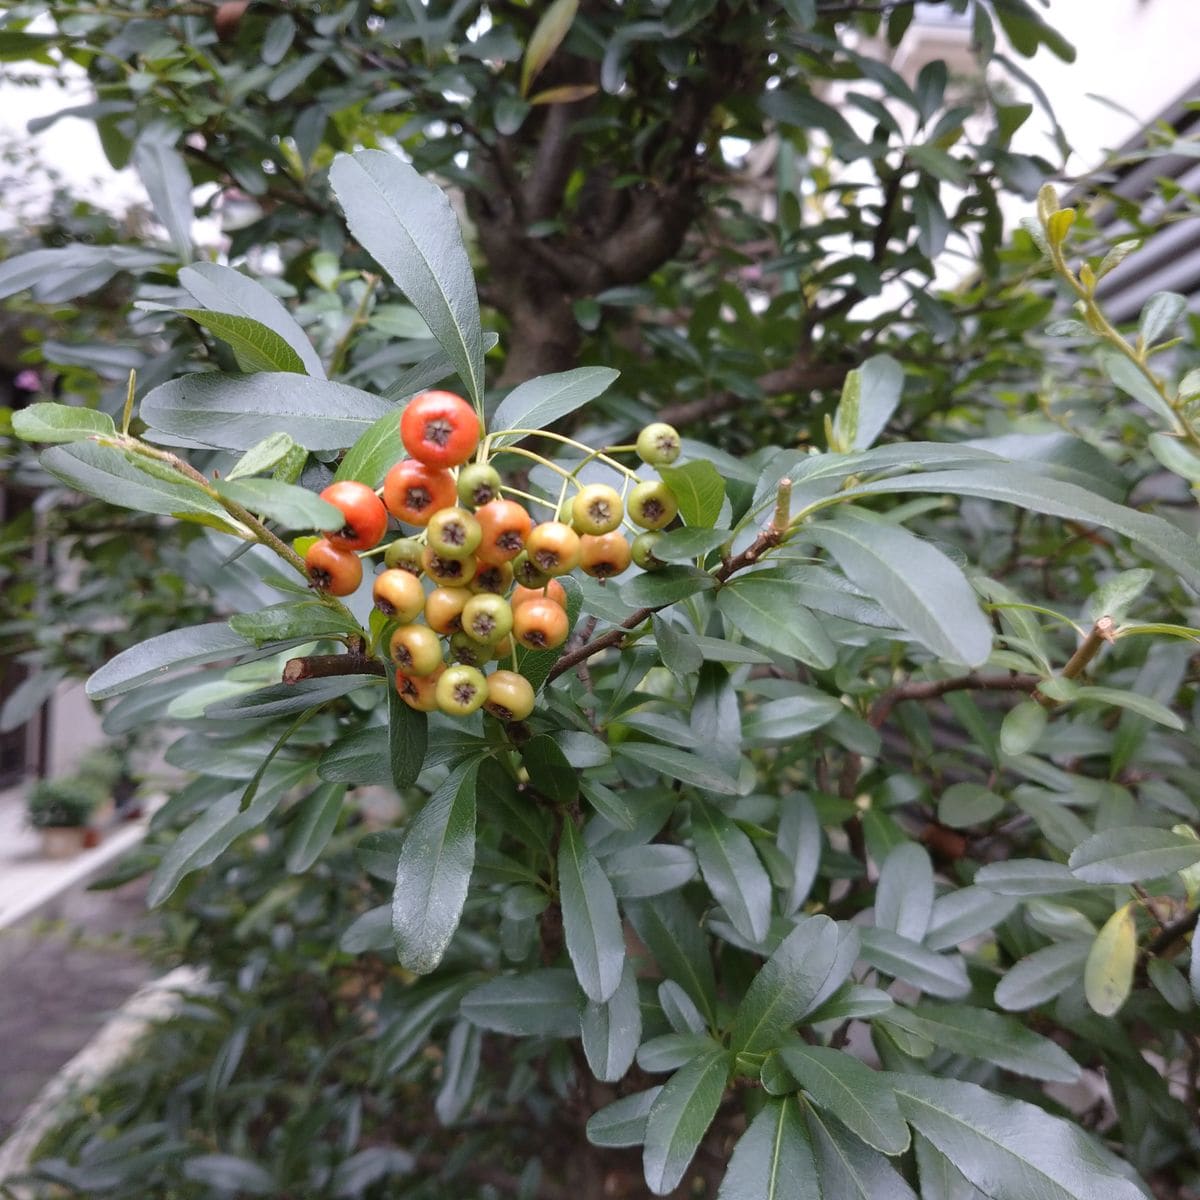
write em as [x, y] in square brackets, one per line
[849, 854]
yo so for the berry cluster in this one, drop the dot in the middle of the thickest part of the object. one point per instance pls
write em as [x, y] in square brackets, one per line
[493, 570]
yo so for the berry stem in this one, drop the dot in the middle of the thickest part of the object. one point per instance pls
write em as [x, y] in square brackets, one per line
[338, 358]
[512, 491]
[537, 458]
[566, 441]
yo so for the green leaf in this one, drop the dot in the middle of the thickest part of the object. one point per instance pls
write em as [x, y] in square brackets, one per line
[1115, 597]
[1144, 706]
[854, 1093]
[673, 935]
[1012, 484]
[1041, 976]
[359, 757]
[924, 591]
[428, 371]
[549, 771]
[788, 985]
[1022, 727]
[678, 650]
[1160, 316]
[700, 490]
[539, 402]
[460, 1069]
[148, 660]
[293, 621]
[937, 974]
[541, 1003]
[686, 543]
[165, 177]
[679, 1118]
[1176, 455]
[848, 1169]
[801, 711]
[993, 1037]
[641, 871]
[591, 924]
[254, 345]
[732, 870]
[623, 1122]
[261, 457]
[904, 893]
[613, 1029]
[229, 1174]
[434, 872]
[1108, 974]
[767, 612]
[962, 805]
[1131, 854]
[408, 739]
[1027, 877]
[291, 506]
[112, 476]
[374, 453]
[679, 764]
[221, 289]
[1007, 1148]
[876, 390]
[61, 423]
[316, 819]
[406, 224]
[773, 1159]
[283, 698]
[234, 412]
[653, 589]
[1130, 379]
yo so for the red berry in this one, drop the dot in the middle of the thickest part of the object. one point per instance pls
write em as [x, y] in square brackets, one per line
[366, 518]
[439, 429]
[333, 570]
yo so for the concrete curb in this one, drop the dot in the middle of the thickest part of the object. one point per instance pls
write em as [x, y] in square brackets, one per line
[149, 1006]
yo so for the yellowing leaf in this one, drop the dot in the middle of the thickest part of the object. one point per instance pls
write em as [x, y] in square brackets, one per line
[1108, 976]
[547, 37]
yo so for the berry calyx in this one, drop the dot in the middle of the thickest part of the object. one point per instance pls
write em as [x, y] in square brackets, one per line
[652, 505]
[492, 578]
[419, 691]
[553, 548]
[487, 618]
[642, 551]
[540, 625]
[332, 569]
[658, 445]
[597, 509]
[509, 696]
[604, 556]
[453, 533]
[478, 484]
[404, 554]
[439, 429]
[448, 572]
[527, 575]
[468, 651]
[366, 518]
[505, 526]
[443, 609]
[413, 491]
[461, 690]
[398, 594]
[416, 650]
[552, 590]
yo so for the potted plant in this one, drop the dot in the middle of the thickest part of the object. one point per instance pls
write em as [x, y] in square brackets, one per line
[62, 810]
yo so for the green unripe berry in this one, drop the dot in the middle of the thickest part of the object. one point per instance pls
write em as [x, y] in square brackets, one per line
[652, 505]
[478, 484]
[643, 551]
[658, 445]
[597, 509]
[461, 690]
[487, 618]
[404, 554]
[453, 533]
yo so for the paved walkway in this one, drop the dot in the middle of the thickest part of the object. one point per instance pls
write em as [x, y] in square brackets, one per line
[67, 955]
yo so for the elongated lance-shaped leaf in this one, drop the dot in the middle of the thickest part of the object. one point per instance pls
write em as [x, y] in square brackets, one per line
[773, 1159]
[433, 873]
[591, 923]
[407, 225]
[680, 1117]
